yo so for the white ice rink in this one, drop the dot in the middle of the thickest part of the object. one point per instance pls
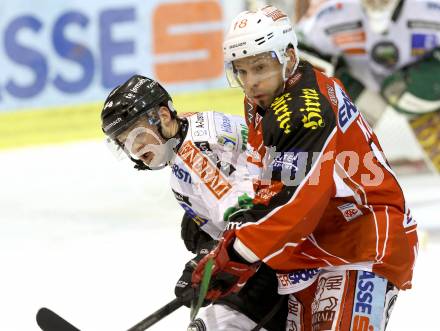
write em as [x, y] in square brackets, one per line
[99, 243]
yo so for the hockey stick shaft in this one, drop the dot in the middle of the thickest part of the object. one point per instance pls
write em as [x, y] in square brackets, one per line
[207, 272]
[158, 315]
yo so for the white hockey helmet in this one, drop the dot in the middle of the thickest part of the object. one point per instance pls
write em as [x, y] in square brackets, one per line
[254, 32]
[380, 13]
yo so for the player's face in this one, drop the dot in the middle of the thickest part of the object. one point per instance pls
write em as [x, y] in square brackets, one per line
[143, 142]
[261, 77]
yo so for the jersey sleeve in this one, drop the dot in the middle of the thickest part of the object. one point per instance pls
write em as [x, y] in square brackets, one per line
[299, 131]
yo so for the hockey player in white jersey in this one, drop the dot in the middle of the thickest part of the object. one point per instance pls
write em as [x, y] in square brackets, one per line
[386, 52]
[206, 154]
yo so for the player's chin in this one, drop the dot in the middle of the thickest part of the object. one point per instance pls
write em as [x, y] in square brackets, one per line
[259, 100]
[264, 102]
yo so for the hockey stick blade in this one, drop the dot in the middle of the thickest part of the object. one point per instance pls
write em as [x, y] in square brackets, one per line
[47, 320]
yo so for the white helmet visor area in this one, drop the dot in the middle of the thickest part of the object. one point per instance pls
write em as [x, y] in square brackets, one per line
[258, 68]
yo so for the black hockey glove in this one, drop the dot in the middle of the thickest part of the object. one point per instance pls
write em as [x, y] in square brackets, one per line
[183, 288]
[192, 235]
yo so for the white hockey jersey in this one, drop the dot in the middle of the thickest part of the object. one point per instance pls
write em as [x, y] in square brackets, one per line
[341, 27]
[209, 170]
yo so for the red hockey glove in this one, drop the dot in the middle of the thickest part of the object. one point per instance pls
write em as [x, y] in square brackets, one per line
[227, 276]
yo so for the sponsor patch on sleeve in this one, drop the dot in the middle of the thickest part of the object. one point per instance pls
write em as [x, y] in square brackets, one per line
[350, 211]
[347, 111]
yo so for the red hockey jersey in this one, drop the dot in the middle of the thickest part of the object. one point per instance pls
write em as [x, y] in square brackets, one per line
[325, 196]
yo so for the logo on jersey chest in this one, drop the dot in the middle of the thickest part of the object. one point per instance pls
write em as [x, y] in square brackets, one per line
[181, 174]
[203, 167]
[281, 111]
[312, 118]
[386, 54]
[286, 162]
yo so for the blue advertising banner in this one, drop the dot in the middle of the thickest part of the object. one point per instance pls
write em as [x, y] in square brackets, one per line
[71, 52]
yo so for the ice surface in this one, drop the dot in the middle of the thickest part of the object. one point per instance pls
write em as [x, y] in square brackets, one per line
[99, 243]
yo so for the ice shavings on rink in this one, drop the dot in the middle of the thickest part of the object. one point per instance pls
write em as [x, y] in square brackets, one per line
[99, 243]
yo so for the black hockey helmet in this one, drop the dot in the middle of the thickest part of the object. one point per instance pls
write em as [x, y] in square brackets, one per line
[138, 96]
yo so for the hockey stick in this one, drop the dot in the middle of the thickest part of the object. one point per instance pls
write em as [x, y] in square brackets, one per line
[47, 320]
[158, 315]
[204, 286]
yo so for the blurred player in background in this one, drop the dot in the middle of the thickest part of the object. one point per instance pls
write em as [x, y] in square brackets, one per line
[386, 53]
[316, 206]
[206, 154]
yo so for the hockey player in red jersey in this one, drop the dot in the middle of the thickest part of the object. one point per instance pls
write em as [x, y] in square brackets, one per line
[328, 214]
